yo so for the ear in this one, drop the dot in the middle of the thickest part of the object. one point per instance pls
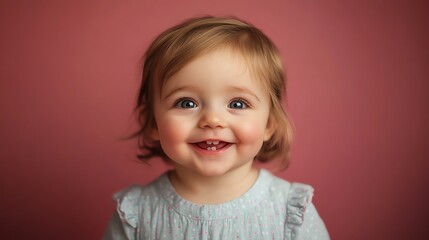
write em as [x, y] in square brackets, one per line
[154, 133]
[271, 127]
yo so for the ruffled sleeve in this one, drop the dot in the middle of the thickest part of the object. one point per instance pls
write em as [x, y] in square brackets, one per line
[299, 198]
[128, 205]
[302, 220]
[125, 221]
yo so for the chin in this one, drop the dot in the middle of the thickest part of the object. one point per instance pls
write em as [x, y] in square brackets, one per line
[212, 171]
[215, 171]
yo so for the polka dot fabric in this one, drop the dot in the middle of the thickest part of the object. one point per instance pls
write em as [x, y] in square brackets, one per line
[272, 209]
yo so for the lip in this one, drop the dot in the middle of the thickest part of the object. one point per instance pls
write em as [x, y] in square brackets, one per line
[211, 152]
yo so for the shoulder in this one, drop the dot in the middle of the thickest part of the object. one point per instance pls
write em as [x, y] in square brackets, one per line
[299, 200]
[302, 218]
[294, 193]
[130, 200]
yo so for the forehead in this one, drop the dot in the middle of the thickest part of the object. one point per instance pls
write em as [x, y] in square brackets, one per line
[218, 67]
[215, 64]
[223, 63]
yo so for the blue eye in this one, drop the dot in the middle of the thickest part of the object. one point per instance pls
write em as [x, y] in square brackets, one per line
[186, 103]
[238, 104]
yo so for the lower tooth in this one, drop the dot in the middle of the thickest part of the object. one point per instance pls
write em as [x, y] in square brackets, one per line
[211, 148]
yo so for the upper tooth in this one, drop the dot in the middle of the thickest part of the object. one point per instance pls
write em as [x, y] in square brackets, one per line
[215, 142]
[209, 142]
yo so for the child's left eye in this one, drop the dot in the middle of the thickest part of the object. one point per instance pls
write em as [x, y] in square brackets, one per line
[238, 104]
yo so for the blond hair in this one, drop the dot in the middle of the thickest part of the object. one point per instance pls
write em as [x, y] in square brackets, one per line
[177, 46]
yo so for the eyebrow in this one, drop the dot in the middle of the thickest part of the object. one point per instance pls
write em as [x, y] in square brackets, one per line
[177, 90]
[242, 89]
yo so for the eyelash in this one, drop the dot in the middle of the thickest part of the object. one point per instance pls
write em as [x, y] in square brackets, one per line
[241, 100]
[180, 101]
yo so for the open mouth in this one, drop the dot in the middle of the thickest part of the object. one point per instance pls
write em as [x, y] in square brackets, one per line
[211, 145]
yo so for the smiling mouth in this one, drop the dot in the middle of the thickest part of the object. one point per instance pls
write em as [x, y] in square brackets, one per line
[211, 145]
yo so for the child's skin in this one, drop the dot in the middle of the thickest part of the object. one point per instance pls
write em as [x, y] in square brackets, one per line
[213, 98]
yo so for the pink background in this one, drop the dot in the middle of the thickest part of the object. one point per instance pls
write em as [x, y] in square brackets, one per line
[358, 93]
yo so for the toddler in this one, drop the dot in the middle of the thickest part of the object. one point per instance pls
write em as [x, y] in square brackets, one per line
[210, 104]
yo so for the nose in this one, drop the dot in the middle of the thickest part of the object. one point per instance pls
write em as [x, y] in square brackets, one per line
[212, 118]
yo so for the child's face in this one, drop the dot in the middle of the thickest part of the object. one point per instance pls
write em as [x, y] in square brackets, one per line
[212, 116]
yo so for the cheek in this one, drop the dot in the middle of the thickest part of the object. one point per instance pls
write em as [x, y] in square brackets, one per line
[171, 131]
[251, 132]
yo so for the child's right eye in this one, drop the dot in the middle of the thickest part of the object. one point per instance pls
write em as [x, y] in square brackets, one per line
[185, 103]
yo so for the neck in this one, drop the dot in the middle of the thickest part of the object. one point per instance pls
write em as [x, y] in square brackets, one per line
[201, 189]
